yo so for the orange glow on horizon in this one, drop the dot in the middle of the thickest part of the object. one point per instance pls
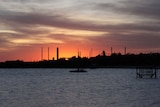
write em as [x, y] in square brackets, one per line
[33, 53]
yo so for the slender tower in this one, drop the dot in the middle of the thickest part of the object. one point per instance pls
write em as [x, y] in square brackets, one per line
[91, 52]
[125, 50]
[41, 53]
[78, 53]
[111, 50]
[57, 53]
[48, 53]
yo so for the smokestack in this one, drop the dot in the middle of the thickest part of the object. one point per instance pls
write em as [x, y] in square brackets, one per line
[79, 53]
[57, 53]
[111, 50]
[48, 53]
[90, 53]
[125, 50]
[41, 53]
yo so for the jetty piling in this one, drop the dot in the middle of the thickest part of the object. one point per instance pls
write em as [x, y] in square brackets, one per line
[142, 72]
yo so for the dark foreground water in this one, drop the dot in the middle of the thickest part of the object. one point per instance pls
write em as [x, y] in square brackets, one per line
[60, 88]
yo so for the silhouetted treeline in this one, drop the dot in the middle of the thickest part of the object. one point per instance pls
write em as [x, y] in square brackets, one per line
[115, 60]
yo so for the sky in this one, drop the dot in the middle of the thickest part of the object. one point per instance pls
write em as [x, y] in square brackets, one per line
[88, 26]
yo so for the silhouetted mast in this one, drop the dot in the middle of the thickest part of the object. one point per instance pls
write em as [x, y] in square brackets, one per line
[78, 53]
[57, 53]
[48, 53]
[41, 53]
[91, 53]
[111, 50]
[125, 50]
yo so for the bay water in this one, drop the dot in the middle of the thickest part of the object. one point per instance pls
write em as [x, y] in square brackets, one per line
[107, 87]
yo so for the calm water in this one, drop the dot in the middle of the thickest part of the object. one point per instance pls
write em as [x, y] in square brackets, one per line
[60, 88]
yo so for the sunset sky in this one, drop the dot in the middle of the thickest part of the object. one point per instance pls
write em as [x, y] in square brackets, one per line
[72, 25]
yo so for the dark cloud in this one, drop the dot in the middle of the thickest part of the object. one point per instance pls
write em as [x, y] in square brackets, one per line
[5, 40]
[33, 30]
[143, 8]
[28, 1]
[19, 19]
[136, 40]
[143, 33]
[148, 9]
[139, 8]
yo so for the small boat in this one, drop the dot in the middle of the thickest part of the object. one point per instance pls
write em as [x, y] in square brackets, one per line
[78, 70]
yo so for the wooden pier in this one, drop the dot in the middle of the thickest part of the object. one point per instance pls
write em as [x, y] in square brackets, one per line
[146, 72]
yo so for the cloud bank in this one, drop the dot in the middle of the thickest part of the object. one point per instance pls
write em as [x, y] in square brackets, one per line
[101, 23]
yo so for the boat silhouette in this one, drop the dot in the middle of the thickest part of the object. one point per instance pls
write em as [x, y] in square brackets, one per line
[78, 70]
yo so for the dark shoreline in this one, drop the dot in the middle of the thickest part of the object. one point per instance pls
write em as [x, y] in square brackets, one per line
[98, 67]
[100, 61]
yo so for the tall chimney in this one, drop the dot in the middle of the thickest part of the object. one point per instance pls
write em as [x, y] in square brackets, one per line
[125, 50]
[111, 50]
[57, 53]
[41, 53]
[91, 52]
[48, 53]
